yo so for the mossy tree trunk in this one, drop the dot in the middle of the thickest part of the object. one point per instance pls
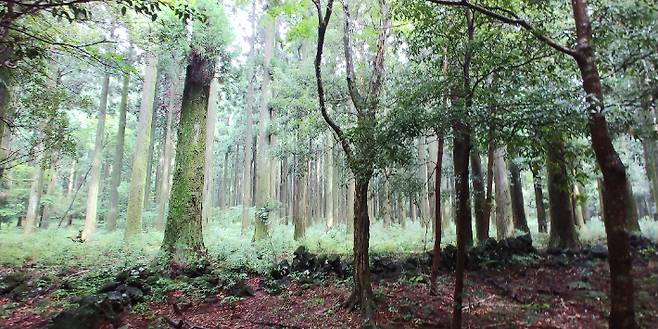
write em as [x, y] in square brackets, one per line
[139, 167]
[563, 227]
[95, 173]
[263, 165]
[117, 164]
[183, 238]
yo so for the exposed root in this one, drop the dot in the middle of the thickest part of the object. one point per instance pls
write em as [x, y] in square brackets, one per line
[366, 305]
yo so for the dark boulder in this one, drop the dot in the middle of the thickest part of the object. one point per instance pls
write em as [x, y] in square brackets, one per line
[241, 289]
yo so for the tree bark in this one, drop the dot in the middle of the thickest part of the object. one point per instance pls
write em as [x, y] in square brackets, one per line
[50, 191]
[329, 185]
[563, 230]
[165, 181]
[183, 232]
[504, 220]
[518, 204]
[362, 291]
[117, 164]
[207, 208]
[463, 212]
[97, 158]
[649, 152]
[138, 177]
[542, 224]
[34, 198]
[425, 214]
[479, 200]
[263, 165]
[436, 251]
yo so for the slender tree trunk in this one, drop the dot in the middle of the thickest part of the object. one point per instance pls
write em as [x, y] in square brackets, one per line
[388, 208]
[362, 291]
[563, 230]
[504, 220]
[139, 168]
[577, 209]
[329, 185]
[479, 200]
[207, 208]
[263, 197]
[34, 198]
[649, 152]
[518, 205]
[299, 207]
[632, 223]
[247, 178]
[165, 182]
[50, 191]
[117, 164]
[351, 193]
[463, 216]
[97, 157]
[622, 313]
[433, 158]
[183, 232]
[436, 251]
[490, 180]
[69, 191]
[542, 224]
[425, 215]
[151, 155]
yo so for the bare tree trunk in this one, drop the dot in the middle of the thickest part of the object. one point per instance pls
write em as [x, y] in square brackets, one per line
[542, 224]
[97, 157]
[165, 182]
[504, 220]
[425, 215]
[69, 191]
[436, 251]
[207, 208]
[138, 177]
[518, 205]
[479, 201]
[117, 164]
[50, 191]
[263, 197]
[329, 185]
[34, 198]
[563, 230]
[184, 232]
[463, 216]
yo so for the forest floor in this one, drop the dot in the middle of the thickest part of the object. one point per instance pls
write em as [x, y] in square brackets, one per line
[539, 290]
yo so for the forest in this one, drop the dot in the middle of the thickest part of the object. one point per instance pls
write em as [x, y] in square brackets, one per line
[198, 164]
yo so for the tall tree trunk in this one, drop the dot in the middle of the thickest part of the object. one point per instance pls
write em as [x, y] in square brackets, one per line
[577, 209]
[69, 192]
[139, 167]
[263, 197]
[97, 157]
[622, 313]
[50, 191]
[436, 251]
[165, 182]
[632, 223]
[479, 200]
[542, 224]
[490, 180]
[425, 215]
[329, 185]
[518, 205]
[504, 220]
[362, 291]
[649, 152]
[117, 164]
[388, 208]
[247, 169]
[151, 155]
[299, 205]
[433, 158]
[563, 230]
[463, 216]
[34, 198]
[183, 232]
[207, 208]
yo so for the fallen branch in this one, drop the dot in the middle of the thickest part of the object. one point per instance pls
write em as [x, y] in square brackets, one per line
[274, 324]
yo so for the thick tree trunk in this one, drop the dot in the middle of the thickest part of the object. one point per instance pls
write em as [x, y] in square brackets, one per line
[139, 167]
[97, 158]
[542, 224]
[207, 208]
[504, 217]
[563, 230]
[299, 206]
[518, 204]
[576, 206]
[632, 223]
[479, 200]
[117, 164]
[649, 152]
[263, 172]
[436, 250]
[183, 233]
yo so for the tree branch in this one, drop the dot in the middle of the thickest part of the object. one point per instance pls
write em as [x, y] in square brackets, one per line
[513, 20]
[323, 22]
